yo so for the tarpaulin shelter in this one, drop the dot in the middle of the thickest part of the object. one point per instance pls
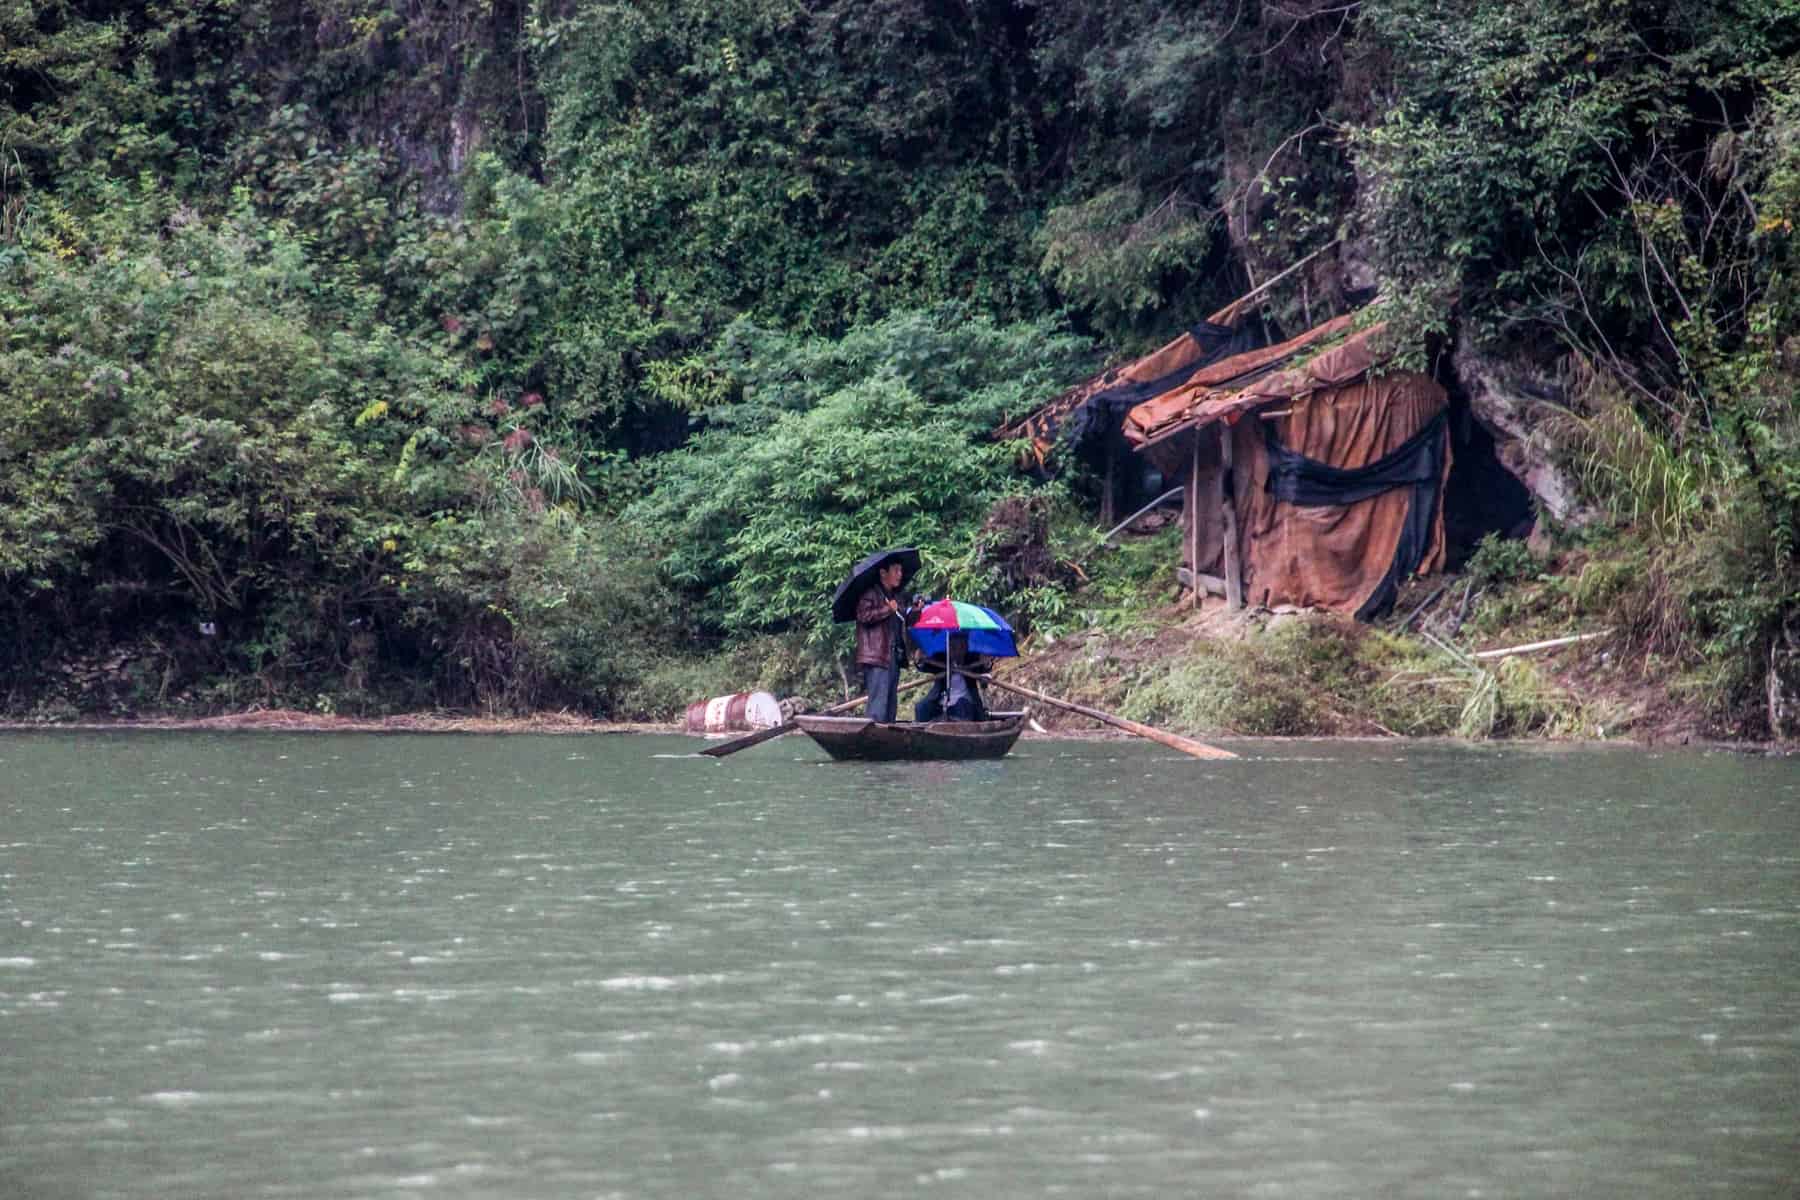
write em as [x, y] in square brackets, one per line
[1092, 412]
[1099, 404]
[1319, 485]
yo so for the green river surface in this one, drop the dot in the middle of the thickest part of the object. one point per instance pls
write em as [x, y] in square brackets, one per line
[266, 965]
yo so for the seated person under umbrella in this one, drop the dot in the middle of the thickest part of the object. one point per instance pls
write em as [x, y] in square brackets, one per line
[977, 631]
[959, 697]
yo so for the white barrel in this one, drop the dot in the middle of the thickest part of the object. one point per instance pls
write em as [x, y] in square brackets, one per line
[739, 712]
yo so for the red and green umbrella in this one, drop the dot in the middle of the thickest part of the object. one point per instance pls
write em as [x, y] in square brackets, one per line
[988, 631]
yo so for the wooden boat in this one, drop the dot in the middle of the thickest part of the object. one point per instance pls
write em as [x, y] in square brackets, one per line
[902, 741]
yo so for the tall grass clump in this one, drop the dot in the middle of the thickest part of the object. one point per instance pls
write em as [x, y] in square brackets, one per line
[1332, 678]
[1700, 575]
[1640, 476]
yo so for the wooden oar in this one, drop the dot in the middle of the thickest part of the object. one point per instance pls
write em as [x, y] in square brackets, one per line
[775, 731]
[1173, 740]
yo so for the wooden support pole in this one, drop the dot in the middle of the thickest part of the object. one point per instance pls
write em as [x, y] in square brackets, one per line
[1108, 509]
[1234, 575]
[1191, 503]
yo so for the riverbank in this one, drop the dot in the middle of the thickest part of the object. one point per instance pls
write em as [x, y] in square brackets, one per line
[1206, 673]
[1212, 671]
[1456, 659]
[284, 720]
[1056, 726]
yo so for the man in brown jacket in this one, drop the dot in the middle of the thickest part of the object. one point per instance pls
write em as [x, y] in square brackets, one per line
[880, 634]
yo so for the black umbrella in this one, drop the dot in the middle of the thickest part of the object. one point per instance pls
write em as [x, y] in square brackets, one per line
[843, 601]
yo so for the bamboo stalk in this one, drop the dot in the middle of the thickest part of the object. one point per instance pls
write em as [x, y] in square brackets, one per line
[1528, 647]
[1426, 603]
[1229, 314]
[1113, 532]
[1173, 740]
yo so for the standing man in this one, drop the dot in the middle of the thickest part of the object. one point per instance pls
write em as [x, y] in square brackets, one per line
[880, 630]
[870, 597]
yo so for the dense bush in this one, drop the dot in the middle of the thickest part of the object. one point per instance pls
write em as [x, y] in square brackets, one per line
[819, 450]
[204, 427]
[408, 348]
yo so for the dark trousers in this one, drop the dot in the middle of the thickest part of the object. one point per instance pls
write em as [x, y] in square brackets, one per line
[881, 684]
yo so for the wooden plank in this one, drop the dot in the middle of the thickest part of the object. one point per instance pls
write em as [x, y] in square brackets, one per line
[1234, 574]
[1191, 510]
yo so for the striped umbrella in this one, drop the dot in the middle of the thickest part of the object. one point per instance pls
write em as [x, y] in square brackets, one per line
[988, 631]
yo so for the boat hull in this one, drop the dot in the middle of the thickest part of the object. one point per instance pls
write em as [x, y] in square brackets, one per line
[858, 738]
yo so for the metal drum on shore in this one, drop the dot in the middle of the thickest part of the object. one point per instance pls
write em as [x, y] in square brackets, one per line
[739, 712]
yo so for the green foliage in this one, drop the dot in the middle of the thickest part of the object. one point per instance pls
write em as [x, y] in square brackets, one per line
[1635, 473]
[1116, 255]
[1173, 119]
[194, 437]
[832, 448]
[1498, 561]
[530, 611]
[1297, 678]
[1535, 153]
[807, 168]
[1330, 678]
[1718, 602]
[779, 663]
[1124, 582]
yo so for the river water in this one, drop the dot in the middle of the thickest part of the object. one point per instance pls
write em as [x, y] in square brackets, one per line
[254, 965]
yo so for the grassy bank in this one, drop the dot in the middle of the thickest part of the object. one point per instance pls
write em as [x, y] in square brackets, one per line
[1638, 673]
[1129, 641]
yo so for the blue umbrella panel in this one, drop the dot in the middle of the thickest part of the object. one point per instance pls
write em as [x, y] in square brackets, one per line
[987, 630]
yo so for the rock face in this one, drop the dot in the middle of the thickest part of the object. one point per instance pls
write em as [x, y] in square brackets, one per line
[1512, 399]
[1784, 683]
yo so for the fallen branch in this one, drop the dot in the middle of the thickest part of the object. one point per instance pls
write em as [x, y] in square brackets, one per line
[1452, 651]
[1462, 610]
[1230, 313]
[1423, 605]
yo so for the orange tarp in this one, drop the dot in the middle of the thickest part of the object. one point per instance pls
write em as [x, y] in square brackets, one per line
[1335, 556]
[1042, 424]
[1175, 408]
[1341, 412]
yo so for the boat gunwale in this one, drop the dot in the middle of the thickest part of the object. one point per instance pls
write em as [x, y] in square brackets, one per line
[997, 722]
